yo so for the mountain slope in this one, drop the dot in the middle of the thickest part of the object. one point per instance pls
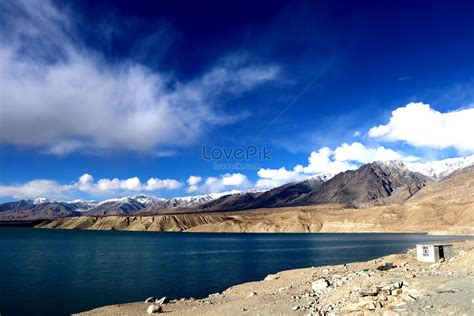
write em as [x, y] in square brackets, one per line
[25, 210]
[373, 183]
[457, 188]
[376, 183]
[444, 207]
[440, 169]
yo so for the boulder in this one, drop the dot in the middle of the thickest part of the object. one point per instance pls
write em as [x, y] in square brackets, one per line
[320, 284]
[251, 294]
[396, 292]
[153, 309]
[374, 291]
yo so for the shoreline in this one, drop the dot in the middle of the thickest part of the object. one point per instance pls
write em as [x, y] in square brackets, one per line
[430, 233]
[352, 288]
[431, 219]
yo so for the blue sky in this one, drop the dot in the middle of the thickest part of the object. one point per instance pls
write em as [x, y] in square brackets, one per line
[128, 93]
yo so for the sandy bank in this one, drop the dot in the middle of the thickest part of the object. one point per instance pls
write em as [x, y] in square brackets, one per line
[414, 217]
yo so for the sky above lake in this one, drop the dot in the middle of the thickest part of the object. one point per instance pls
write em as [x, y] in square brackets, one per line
[102, 99]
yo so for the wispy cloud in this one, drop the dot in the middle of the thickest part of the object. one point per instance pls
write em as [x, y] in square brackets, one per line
[58, 97]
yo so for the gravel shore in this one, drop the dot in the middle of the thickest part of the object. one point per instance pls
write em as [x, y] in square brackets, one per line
[410, 287]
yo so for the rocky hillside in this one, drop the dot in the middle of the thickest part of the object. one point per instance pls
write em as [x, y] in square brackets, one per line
[371, 184]
[28, 211]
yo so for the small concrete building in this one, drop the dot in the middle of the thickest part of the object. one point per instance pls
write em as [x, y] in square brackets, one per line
[433, 252]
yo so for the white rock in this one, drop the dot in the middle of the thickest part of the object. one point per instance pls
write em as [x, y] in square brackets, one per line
[151, 299]
[152, 309]
[251, 294]
[271, 277]
[319, 284]
[162, 300]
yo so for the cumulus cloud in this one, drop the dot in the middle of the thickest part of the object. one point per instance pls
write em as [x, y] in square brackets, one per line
[58, 97]
[223, 183]
[329, 161]
[420, 125]
[270, 178]
[193, 182]
[360, 153]
[85, 184]
[35, 189]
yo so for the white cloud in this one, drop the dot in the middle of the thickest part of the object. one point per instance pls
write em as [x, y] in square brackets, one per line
[421, 126]
[58, 98]
[360, 153]
[323, 161]
[158, 184]
[85, 184]
[330, 161]
[223, 183]
[193, 180]
[85, 179]
[270, 178]
[35, 189]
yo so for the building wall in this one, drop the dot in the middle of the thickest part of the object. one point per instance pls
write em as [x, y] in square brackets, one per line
[431, 257]
[433, 253]
[448, 252]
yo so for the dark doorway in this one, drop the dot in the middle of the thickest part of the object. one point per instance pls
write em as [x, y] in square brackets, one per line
[441, 252]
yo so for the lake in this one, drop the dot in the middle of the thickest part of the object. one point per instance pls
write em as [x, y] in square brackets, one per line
[58, 272]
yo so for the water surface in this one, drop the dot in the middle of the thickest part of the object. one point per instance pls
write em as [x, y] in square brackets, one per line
[58, 272]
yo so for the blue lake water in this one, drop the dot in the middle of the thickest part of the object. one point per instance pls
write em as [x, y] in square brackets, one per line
[58, 272]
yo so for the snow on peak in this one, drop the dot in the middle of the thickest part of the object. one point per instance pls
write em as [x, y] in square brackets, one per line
[440, 169]
[40, 201]
[321, 177]
[147, 200]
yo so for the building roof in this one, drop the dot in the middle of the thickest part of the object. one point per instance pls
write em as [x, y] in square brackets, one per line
[435, 244]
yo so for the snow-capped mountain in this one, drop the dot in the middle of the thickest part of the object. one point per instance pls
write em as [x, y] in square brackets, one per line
[440, 169]
[197, 200]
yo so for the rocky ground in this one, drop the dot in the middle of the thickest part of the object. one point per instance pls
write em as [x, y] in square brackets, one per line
[410, 287]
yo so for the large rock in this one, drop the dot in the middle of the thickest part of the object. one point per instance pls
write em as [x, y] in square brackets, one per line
[320, 284]
[153, 309]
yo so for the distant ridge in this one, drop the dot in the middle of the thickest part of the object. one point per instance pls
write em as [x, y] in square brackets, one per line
[376, 183]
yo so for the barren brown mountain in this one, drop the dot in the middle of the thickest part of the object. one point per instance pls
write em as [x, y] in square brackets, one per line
[441, 207]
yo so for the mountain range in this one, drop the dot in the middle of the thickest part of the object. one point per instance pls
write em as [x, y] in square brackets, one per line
[376, 183]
